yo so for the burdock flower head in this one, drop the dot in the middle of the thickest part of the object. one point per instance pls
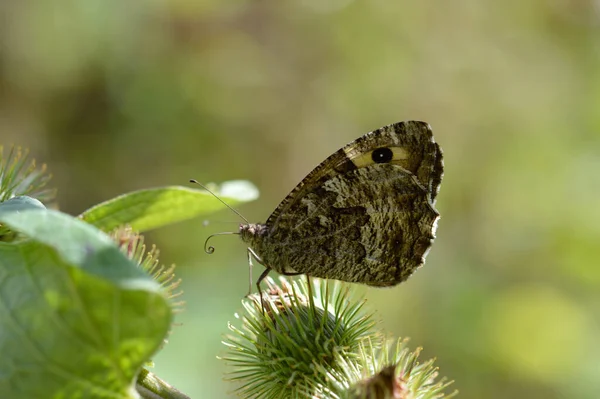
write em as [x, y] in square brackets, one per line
[320, 344]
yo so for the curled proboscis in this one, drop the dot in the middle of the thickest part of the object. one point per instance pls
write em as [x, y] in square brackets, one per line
[209, 249]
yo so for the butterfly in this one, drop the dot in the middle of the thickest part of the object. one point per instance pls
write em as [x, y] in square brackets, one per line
[364, 215]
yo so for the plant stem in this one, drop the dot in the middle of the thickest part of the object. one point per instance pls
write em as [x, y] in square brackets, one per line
[149, 386]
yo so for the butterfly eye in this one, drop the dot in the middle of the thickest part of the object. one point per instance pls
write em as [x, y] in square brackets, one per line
[382, 155]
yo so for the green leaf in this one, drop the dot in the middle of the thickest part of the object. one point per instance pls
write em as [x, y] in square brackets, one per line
[151, 208]
[21, 203]
[17, 204]
[77, 318]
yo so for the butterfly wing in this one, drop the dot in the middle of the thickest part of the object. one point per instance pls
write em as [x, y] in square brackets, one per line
[363, 215]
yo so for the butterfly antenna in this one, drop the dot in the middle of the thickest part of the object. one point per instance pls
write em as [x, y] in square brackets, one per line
[223, 202]
[207, 222]
[211, 249]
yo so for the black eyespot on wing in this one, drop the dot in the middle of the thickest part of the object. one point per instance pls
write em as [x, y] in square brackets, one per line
[382, 155]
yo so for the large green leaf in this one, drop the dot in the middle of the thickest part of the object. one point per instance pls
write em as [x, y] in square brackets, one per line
[151, 208]
[77, 318]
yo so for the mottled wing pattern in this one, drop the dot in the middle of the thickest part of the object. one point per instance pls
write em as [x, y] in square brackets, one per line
[355, 220]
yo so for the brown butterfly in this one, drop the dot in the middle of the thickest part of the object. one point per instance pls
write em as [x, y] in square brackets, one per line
[364, 215]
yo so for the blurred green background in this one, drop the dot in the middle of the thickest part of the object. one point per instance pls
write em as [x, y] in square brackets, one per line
[117, 96]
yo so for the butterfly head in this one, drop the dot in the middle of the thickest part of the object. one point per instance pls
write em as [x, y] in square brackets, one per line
[252, 231]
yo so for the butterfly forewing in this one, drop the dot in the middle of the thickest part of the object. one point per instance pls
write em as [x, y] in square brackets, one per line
[365, 214]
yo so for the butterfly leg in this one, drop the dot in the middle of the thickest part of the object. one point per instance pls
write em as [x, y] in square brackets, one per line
[264, 274]
[260, 279]
[252, 254]
[311, 298]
